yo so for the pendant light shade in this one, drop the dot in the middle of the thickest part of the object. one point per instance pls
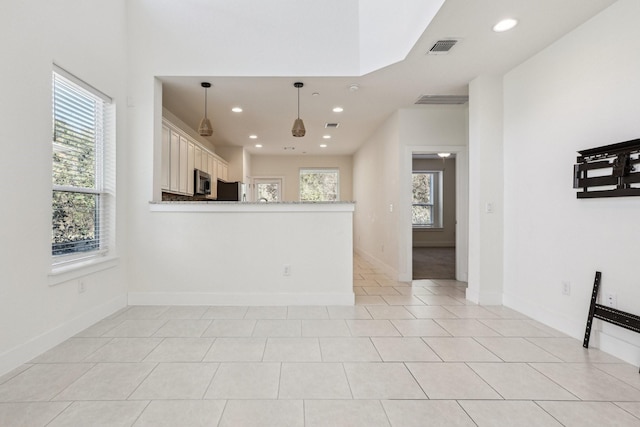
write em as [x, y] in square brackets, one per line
[298, 129]
[205, 128]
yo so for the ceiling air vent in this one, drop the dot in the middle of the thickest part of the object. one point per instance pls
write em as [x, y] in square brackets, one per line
[441, 47]
[331, 125]
[442, 99]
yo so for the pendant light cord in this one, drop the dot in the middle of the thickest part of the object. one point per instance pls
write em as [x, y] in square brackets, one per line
[205, 102]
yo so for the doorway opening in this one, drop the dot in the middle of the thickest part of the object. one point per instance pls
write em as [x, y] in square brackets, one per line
[433, 212]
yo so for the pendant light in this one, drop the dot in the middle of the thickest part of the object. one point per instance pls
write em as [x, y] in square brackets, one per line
[298, 127]
[205, 128]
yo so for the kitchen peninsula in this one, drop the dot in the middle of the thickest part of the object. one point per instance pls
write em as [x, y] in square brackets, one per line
[245, 253]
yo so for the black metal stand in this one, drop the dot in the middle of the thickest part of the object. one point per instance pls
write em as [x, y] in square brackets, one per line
[608, 314]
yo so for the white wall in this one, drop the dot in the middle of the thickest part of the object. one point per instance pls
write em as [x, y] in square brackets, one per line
[288, 167]
[581, 92]
[235, 157]
[486, 180]
[375, 183]
[36, 34]
[382, 183]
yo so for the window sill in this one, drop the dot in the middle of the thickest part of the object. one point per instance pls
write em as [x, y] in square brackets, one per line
[65, 273]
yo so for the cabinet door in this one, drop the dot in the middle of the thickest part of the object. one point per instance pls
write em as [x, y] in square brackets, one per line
[190, 168]
[184, 165]
[166, 157]
[198, 160]
[174, 162]
[225, 172]
[213, 170]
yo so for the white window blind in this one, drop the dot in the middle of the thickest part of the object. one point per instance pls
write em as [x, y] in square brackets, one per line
[83, 170]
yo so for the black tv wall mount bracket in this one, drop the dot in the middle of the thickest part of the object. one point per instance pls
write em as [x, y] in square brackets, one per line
[611, 169]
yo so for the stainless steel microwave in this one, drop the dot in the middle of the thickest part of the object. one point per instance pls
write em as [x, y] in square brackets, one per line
[201, 182]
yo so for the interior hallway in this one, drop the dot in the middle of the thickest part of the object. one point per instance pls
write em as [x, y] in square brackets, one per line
[434, 263]
[402, 356]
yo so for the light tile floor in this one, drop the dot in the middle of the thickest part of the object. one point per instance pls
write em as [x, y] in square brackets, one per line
[402, 356]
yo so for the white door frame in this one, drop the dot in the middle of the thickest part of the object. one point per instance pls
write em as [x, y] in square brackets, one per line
[462, 209]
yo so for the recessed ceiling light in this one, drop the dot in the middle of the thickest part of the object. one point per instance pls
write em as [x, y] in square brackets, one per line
[338, 109]
[236, 110]
[258, 145]
[326, 136]
[253, 136]
[505, 25]
[323, 145]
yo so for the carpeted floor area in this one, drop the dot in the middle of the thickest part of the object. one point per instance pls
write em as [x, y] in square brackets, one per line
[434, 263]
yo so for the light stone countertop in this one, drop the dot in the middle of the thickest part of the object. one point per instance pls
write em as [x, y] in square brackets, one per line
[215, 206]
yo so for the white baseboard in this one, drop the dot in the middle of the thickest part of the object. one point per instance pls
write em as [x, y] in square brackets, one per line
[434, 244]
[556, 320]
[618, 347]
[612, 340]
[250, 299]
[23, 353]
[484, 298]
[386, 269]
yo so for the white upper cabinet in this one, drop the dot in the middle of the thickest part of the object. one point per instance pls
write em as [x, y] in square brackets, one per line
[181, 155]
[166, 158]
[174, 162]
[198, 160]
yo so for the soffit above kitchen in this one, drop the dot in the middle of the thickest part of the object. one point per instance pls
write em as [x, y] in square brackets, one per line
[386, 73]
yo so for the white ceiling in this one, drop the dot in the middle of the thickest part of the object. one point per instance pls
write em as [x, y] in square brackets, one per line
[270, 103]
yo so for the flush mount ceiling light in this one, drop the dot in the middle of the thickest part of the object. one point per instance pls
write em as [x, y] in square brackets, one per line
[444, 156]
[205, 128]
[258, 145]
[323, 145]
[236, 110]
[298, 129]
[505, 25]
[338, 109]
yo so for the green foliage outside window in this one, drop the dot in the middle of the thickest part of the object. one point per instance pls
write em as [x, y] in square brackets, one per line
[422, 198]
[318, 185]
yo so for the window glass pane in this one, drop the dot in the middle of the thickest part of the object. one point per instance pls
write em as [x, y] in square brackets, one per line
[422, 215]
[423, 188]
[75, 222]
[318, 185]
[267, 191]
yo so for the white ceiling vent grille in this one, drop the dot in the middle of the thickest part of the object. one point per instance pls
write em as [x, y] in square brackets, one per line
[442, 47]
[331, 125]
[442, 99]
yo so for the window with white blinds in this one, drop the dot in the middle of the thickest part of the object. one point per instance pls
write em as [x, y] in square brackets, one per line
[83, 170]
